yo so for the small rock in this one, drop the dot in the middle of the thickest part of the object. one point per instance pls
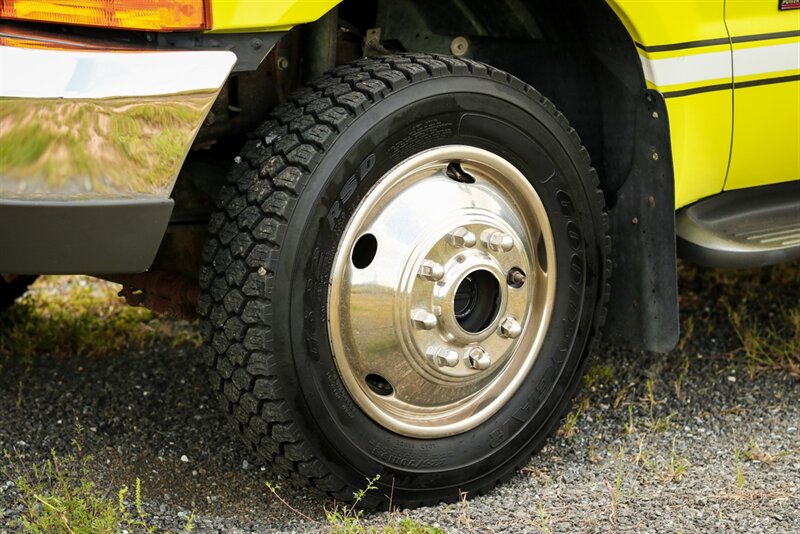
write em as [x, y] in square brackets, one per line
[184, 458]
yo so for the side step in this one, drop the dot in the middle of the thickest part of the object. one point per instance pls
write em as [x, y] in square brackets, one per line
[743, 228]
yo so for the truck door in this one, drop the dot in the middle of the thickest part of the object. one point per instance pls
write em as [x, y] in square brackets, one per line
[765, 35]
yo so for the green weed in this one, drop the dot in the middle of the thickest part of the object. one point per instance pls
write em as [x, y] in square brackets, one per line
[739, 472]
[598, 375]
[615, 491]
[59, 496]
[771, 346]
[544, 519]
[677, 466]
[349, 519]
[567, 430]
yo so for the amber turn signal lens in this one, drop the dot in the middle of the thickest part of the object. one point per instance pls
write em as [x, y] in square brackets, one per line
[129, 14]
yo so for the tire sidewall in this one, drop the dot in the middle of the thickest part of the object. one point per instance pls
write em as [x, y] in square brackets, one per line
[448, 110]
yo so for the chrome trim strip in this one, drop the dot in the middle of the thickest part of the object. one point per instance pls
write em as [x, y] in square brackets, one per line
[79, 74]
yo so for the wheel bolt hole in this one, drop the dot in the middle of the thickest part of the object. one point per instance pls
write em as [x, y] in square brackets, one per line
[379, 385]
[457, 173]
[516, 277]
[477, 301]
[364, 251]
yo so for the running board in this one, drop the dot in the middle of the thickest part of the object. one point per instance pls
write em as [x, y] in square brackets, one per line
[743, 228]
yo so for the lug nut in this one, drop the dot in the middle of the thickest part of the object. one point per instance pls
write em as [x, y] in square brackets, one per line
[510, 328]
[423, 320]
[442, 356]
[461, 238]
[477, 358]
[431, 271]
[516, 277]
[497, 241]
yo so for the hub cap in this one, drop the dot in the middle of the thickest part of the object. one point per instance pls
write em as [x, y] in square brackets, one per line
[441, 291]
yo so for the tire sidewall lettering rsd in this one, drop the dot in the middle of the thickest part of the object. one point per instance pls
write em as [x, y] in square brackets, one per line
[347, 434]
[350, 186]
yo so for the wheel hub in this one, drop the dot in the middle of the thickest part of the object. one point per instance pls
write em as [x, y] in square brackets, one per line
[448, 311]
[468, 303]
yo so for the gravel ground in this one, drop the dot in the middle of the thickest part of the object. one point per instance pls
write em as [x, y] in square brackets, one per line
[694, 441]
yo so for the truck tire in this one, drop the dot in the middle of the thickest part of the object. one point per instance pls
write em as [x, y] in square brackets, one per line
[11, 291]
[407, 270]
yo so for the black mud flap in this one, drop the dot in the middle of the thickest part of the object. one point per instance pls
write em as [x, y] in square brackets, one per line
[643, 311]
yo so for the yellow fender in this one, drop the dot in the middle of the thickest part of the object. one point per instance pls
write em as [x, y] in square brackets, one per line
[229, 16]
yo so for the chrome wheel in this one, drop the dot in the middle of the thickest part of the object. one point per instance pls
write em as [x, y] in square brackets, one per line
[441, 291]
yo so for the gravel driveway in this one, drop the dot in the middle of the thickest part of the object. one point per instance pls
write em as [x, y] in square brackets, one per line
[706, 438]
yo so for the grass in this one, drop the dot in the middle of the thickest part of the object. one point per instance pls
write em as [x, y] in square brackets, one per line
[767, 329]
[753, 453]
[56, 499]
[739, 472]
[66, 317]
[771, 346]
[600, 374]
[740, 319]
[731, 320]
[79, 316]
[615, 491]
[670, 469]
[544, 519]
[59, 496]
[598, 377]
[570, 422]
[350, 519]
[678, 466]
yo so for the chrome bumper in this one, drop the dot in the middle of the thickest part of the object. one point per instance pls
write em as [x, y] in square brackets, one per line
[80, 121]
[92, 137]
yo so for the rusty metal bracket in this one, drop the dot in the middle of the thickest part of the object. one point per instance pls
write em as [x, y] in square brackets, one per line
[163, 292]
[372, 44]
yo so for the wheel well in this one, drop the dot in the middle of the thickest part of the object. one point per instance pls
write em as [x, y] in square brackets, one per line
[583, 60]
[580, 58]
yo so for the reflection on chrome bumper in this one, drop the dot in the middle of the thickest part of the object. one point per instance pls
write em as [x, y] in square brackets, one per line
[94, 123]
